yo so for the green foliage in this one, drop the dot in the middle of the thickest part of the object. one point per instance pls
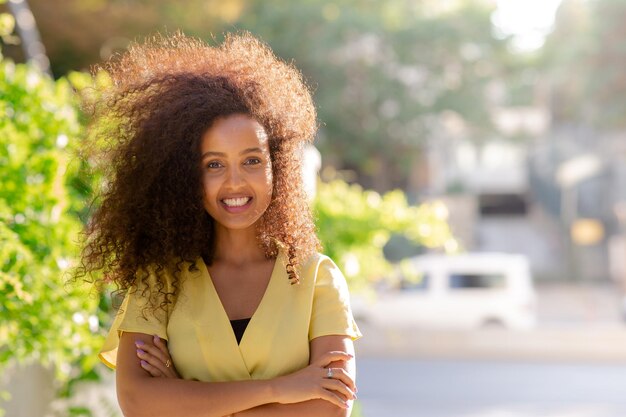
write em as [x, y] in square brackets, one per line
[355, 224]
[42, 194]
[80, 412]
[388, 75]
[7, 25]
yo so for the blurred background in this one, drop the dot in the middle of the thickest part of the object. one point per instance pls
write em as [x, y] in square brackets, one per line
[469, 177]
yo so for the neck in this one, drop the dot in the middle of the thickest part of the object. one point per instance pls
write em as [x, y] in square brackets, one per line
[237, 246]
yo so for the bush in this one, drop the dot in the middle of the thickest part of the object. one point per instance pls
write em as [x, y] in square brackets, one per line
[42, 198]
[355, 224]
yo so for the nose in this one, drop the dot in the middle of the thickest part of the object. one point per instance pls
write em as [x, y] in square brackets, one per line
[235, 177]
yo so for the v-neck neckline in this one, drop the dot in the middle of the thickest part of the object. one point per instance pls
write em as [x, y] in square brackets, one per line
[225, 321]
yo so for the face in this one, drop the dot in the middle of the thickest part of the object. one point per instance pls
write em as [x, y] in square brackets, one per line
[236, 171]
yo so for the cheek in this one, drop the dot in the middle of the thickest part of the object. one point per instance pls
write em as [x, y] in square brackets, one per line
[208, 188]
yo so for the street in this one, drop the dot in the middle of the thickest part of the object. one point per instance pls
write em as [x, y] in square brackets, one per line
[449, 388]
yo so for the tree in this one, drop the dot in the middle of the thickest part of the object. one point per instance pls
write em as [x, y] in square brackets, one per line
[389, 76]
[567, 47]
[606, 81]
[354, 226]
[42, 198]
[587, 36]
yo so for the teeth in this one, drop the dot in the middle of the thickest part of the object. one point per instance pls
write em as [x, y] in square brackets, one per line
[236, 202]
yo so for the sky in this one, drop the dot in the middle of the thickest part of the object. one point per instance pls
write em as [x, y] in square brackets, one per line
[528, 20]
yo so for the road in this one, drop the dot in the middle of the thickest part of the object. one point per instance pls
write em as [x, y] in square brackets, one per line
[448, 388]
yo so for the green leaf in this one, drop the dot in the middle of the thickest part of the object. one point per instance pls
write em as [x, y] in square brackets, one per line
[7, 24]
[42, 198]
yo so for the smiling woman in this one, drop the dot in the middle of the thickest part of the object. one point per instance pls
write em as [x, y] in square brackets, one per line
[205, 225]
[237, 173]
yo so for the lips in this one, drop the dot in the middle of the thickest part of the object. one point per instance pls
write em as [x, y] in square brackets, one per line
[236, 204]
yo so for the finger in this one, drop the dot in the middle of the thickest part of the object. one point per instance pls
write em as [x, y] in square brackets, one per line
[157, 362]
[339, 387]
[161, 345]
[333, 398]
[329, 357]
[152, 370]
[154, 351]
[342, 375]
[154, 362]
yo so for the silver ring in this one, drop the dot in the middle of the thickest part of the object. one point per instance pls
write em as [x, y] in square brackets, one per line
[168, 363]
[329, 373]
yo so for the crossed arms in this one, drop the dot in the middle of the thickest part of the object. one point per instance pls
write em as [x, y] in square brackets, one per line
[155, 390]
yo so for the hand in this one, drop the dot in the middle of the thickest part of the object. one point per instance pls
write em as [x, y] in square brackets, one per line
[156, 359]
[313, 382]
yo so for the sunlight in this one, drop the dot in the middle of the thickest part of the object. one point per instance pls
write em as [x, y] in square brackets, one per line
[529, 21]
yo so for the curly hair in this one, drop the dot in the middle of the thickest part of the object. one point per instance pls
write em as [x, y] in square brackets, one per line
[165, 93]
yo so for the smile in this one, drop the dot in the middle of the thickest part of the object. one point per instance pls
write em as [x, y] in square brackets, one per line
[236, 202]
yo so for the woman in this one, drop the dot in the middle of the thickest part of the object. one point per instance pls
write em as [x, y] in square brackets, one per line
[204, 224]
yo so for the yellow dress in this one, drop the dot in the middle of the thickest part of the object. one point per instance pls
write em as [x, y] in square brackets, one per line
[276, 341]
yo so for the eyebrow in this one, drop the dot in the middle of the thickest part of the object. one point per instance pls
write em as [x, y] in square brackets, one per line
[245, 151]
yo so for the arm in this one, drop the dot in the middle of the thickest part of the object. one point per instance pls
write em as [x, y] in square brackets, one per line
[314, 408]
[140, 394]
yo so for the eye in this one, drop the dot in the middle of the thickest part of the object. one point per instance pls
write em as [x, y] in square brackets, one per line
[252, 161]
[214, 165]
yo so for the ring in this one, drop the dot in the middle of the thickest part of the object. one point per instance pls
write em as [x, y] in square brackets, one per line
[168, 363]
[329, 373]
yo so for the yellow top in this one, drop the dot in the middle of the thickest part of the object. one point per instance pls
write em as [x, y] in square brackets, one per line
[200, 337]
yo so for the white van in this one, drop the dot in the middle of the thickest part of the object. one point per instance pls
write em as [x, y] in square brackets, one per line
[465, 291]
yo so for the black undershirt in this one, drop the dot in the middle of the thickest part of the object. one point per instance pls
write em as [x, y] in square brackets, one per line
[239, 327]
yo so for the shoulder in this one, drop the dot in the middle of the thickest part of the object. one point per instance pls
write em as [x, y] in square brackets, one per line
[315, 261]
[318, 269]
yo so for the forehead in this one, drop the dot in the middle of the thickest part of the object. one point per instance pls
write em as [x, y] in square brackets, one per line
[234, 132]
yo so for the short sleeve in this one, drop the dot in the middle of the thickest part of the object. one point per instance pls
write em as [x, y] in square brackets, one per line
[331, 313]
[133, 316]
